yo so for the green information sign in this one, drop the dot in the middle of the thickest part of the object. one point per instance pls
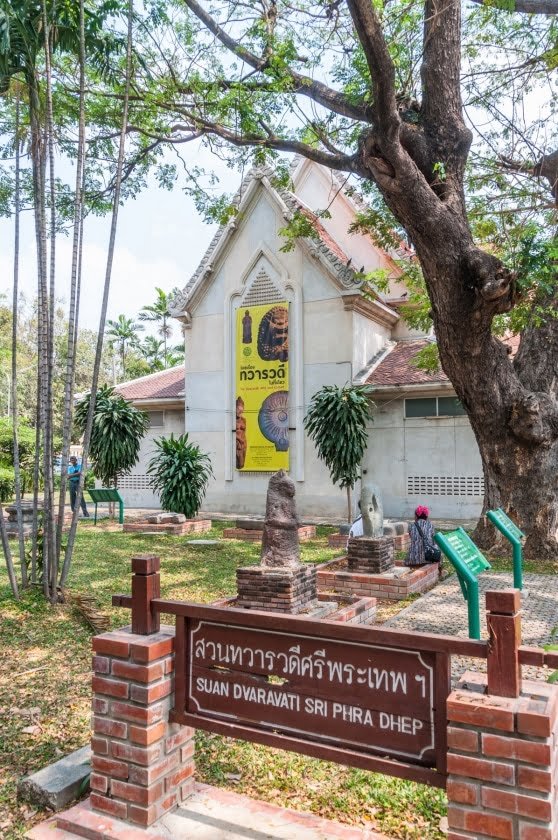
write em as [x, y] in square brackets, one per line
[515, 536]
[464, 547]
[504, 524]
[468, 562]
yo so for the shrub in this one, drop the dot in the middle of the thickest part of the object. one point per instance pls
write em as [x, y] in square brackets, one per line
[180, 474]
[118, 429]
[336, 421]
[7, 484]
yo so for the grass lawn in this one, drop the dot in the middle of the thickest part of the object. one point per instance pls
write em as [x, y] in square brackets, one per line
[45, 691]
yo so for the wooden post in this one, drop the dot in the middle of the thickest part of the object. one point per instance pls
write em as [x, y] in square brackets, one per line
[146, 585]
[504, 638]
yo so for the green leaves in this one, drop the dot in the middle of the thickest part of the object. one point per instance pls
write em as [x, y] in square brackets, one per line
[118, 429]
[336, 421]
[180, 474]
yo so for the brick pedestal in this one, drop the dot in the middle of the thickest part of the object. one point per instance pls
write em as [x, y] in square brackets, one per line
[305, 532]
[142, 766]
[502, 762]
[372, 555]
[276, 590]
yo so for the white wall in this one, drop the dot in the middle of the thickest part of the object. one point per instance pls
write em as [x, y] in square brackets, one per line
[434, 450]
[134, 488]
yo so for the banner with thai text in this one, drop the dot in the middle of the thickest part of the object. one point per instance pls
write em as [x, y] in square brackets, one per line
[262, 387]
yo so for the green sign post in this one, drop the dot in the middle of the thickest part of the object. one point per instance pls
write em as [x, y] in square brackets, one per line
[509, 529]
[108, 494]
[468, 562]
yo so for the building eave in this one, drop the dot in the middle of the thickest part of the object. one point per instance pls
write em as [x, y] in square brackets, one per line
[411, 388]
[373, 309]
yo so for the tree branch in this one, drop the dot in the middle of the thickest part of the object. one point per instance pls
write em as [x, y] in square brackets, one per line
[304, 85]
[546, 167]
[380, 65]
[442, 108]
[530, 7]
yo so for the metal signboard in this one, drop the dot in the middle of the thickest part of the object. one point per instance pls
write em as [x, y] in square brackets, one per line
[465, 549]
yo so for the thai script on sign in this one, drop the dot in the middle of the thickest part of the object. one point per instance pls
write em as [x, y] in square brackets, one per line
[315, 666]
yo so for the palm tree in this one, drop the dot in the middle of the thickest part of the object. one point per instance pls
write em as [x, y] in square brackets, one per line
[151, 350]
[158, 312]
[124, 333]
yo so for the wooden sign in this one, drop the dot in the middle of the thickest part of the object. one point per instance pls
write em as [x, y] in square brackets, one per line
[367, 696]
[349, 697]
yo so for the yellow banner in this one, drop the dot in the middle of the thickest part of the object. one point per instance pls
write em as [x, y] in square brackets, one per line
[262, 387]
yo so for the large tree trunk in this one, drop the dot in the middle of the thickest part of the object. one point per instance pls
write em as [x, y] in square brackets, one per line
[524, 485]
[512, 407]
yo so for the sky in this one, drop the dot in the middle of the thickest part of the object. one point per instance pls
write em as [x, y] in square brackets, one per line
[160, 241]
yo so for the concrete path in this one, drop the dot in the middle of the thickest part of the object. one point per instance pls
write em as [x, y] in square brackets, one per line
[209, 814]
[444, 610]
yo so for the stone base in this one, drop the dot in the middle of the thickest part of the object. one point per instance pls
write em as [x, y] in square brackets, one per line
[58, 784]
[207, 814]
[401, 542]
[353, 610]
[190, 526]
[250, 524]
[371, 555]
[284, 590]
[305, 532]
[393, 586]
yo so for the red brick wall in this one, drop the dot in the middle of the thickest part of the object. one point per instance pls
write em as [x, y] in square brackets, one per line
[502, 763]
[142, 766]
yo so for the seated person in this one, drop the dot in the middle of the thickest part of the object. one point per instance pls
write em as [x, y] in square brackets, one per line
[357, 528]
[423, 549]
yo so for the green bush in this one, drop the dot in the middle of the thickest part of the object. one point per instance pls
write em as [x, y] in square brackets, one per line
[118, 429]
[180, 474]
[26, 440]
[7, 484]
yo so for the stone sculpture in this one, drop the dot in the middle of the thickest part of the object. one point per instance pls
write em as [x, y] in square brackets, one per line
[371, 510]
[280, 546]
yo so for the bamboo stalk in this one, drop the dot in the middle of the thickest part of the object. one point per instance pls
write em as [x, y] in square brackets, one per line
[106, 289]
[15, 301]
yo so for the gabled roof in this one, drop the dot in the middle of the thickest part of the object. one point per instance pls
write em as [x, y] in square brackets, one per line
[396, 369]
[163, 385]
[324, 246]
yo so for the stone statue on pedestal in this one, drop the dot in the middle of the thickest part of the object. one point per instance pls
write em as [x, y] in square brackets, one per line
[371, 510]
[280, 545]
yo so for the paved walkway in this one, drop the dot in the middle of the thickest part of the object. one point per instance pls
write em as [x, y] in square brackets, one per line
[444, 610]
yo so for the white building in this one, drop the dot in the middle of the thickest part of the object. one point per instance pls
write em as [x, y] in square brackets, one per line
[421, 447]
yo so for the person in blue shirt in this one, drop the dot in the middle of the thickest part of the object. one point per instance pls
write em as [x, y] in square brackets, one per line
[74, 472]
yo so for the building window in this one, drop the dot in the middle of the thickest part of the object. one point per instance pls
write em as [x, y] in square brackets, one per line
[434, 407]
[156, 419]
[421, 408]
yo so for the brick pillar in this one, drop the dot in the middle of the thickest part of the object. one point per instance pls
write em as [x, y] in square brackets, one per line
[502, 762]
[142, 766]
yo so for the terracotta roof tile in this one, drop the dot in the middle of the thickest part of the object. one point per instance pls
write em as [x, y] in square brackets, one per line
[327, 240]
[165, 384]
[396, 368]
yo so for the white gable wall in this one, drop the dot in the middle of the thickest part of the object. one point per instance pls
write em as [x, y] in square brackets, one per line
[321, 340]
[315, 188]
